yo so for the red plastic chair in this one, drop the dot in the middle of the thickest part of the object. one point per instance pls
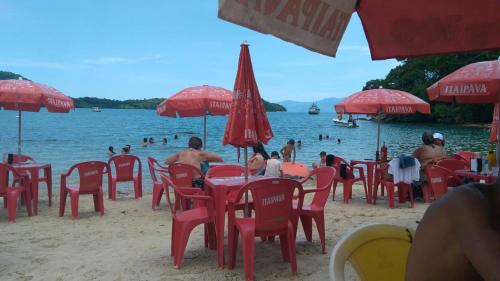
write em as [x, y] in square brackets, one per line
[90, 174]
[404, 189]
[437, 181]
[124, 172]
[17, 158]
[154, 167]
[19, 185]
[453, 165]
[349, 180]
[274, 215]
[183, 175]
[184, 222]
[316, 209]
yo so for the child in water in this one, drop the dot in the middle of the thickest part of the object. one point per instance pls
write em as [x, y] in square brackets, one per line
[287, 150]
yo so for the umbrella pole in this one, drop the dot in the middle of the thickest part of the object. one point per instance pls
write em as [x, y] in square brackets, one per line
[246, 178]
[205, 131]
[377, 155]
[19, 135]
[498, 141]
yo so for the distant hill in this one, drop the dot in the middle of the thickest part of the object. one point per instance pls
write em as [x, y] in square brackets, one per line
[88, 102]
[5, 75]
[326, 105]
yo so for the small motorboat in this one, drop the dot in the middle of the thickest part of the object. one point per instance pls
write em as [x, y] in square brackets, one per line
[96, 109]
[350, 123]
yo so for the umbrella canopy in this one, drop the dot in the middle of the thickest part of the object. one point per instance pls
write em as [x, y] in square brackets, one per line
[494, 125]
[247, 123]
[197, 101]
[474, 83]
[393, 28]
[24, 95]
[385, 101]
[382, 101]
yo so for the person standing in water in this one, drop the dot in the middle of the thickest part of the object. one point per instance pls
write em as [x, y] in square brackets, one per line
[287, 151]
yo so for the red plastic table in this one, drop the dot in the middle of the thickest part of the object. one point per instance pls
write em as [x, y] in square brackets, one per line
[34, 170]
[219, 188]
[370, 165]
[476, 176]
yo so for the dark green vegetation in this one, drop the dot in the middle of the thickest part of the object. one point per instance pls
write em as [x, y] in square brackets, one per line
[88, 102]
[414, 75]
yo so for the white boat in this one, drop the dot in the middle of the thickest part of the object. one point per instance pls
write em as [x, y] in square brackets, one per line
[96, 109]
[314, 109]
[350, 123]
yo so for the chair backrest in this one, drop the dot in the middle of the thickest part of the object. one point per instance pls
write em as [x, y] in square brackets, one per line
[90, 174]
[7, 172]
[376, 252]
[324, 179]
[182, 175]
[338, 162]
[464, 155]
[17, 158]
[154, 166]
[272, 199]
[225, 171]
[437, 179]
[124, 166]
[452, 164]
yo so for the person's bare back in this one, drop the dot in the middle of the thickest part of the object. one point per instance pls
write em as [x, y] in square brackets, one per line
[458, 238]
[193, 155]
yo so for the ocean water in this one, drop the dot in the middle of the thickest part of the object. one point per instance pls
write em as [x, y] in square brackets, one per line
[82, 135]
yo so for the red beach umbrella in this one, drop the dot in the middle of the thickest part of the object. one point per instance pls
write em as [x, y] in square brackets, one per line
[247, 123]
[25, 95]
[382, 101]
[197, 101]
[474, 83]
[393, 28]
[494, 125]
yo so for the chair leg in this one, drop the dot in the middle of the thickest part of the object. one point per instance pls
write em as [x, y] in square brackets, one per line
[319, 219]
[390, 195]
[334, 187]
[156, 197]
[112, 190]
[12, 205]
[34, 189]
[27, 196]
[48, 176]
[248, 255]
[172, 239]
[62, 202]
[233, 246]
[74, 204]
[291, 251]
[284, 247]
[100, 197]
[181, 237]
[410, 191]
[307, 226]
[96, 202]
[347, 191]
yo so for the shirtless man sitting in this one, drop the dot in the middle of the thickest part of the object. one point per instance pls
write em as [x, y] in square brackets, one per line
[193, 155]
[459, 237]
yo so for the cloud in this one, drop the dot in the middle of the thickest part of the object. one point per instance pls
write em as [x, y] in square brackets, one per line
[33, 64]
[354, 48]
[117, 60]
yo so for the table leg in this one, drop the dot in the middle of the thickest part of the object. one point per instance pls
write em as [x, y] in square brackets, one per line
[220, 213]
[369, 170]
[34, 189]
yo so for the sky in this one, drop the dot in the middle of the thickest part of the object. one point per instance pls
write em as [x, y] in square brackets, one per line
[124, 49]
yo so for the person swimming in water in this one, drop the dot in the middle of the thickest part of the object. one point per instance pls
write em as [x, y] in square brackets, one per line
[151, 141]
[111, 151]
[165, 141]
[145, 142]
[287, 150]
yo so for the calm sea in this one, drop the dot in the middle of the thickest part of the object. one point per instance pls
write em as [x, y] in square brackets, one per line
[65, 139]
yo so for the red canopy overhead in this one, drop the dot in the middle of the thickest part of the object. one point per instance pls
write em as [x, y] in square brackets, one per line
[396, 28]
[393, 28]
[25, 95]
[386, 101]
[474, 83]
[197, 101]
[247, 123]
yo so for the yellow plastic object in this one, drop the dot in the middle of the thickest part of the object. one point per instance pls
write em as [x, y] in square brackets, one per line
[376, 252]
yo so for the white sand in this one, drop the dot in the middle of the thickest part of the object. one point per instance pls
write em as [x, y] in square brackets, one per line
[132, 242]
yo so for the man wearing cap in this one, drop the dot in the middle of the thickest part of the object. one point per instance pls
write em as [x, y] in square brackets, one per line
[438, 139]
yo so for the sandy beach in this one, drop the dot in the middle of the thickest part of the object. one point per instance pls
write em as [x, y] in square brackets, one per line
[132, 242]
